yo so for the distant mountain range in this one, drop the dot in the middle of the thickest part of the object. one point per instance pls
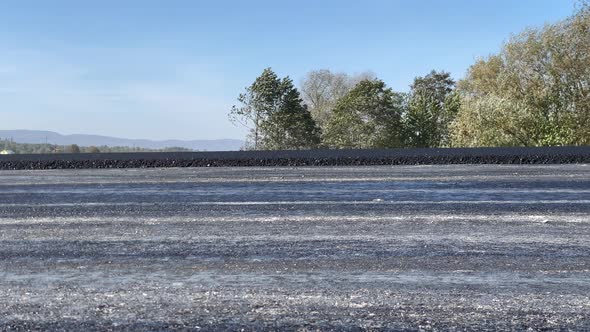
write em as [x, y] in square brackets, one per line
[41, 137]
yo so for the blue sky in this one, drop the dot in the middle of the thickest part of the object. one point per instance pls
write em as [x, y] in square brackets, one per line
[172, 69]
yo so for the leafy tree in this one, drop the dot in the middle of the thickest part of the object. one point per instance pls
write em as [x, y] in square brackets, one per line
[432, 107]
[274, 111]
[490, 121]
[369, 116]
[535, 92]
[93, 149]
[73, 149]
[258, 102]
[321, 90]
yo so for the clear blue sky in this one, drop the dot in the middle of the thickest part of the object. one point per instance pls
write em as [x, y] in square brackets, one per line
[172, 69]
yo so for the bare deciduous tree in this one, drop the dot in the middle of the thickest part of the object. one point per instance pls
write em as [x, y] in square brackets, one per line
[321, 89]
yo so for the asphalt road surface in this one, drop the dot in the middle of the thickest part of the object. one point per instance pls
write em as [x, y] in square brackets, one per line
[327, 248]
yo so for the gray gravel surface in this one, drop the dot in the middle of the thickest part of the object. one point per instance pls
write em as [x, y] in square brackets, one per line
[325, 248]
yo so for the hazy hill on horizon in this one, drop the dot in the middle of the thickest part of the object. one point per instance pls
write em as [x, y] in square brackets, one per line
[41, 137]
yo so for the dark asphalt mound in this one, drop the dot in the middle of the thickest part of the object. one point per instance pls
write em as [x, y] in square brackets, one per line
[549, 155]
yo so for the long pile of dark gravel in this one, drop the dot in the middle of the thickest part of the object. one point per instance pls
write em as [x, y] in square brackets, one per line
[548, 155]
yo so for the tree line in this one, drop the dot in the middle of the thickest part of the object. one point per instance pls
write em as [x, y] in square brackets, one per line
[534, 92]
[31, 148]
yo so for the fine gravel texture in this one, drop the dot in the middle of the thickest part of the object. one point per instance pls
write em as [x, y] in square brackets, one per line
[441, 248]
[516, 155]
